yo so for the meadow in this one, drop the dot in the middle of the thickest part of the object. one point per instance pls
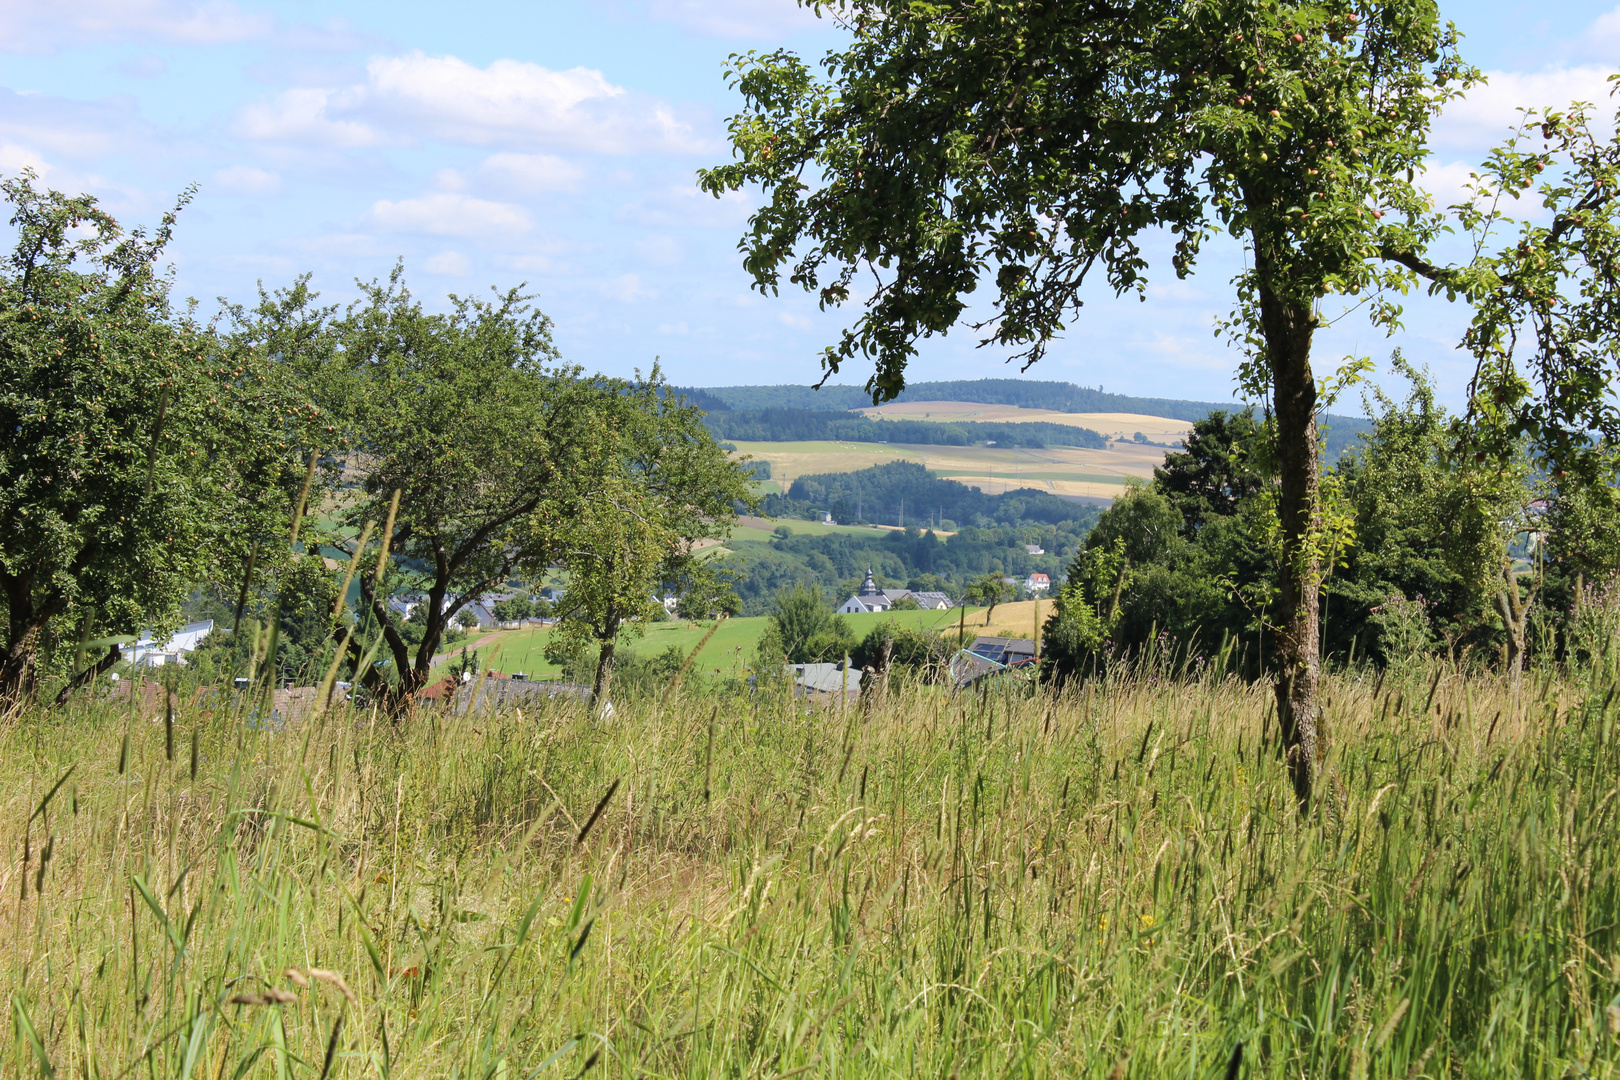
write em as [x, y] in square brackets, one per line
[727, 653]
[1061, 470]
[1111, 882]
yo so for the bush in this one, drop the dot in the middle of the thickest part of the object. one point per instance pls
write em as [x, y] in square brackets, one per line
[804, 630]
[922, 653]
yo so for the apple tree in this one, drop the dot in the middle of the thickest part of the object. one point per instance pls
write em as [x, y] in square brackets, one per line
[1008, 153]
[143, 452]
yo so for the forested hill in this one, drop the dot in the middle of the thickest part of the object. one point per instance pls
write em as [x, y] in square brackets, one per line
[806, 425]
[1023, 393]
[903, 492]
[800, 413]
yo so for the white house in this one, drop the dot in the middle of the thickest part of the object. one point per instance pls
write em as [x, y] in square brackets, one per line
[872, 598]
[146, 653]
[869, 598]
[1038, 583]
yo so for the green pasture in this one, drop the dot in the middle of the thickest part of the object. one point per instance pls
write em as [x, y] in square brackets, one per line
[729, 650]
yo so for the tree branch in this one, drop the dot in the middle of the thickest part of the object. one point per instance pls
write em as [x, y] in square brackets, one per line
[89, 674]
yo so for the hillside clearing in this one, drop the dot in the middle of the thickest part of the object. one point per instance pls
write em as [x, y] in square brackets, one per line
[1060, 470]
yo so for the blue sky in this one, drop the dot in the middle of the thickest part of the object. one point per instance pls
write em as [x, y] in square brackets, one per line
[491, 143]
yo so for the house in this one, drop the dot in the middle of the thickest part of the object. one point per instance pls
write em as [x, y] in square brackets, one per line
[872, 598]
[1038, 583]
[1035, 549]
[147, 653]
[823, 682]
[405, 603]
[671, 603]
[868, 598]
[1008, 652]
[990, 656]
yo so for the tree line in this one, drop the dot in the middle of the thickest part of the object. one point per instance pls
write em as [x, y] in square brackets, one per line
[1019, 393]
[1428, 550]
[906, 493]
[814, 425]
[153, 455]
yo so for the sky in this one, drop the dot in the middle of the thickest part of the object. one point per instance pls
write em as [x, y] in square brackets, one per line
[493, 143]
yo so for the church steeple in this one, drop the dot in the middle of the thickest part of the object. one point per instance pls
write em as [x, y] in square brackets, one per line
[869, 586]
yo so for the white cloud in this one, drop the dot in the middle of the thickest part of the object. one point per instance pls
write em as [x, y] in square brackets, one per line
[38, 26]
[46, 26]
[510, 102]
[82, 130]
[144, 67]
[273, 264]
[448, 263]
[303, 115]
[528, 263]
[1448, 182]
[627, 289]
[247, 180]
[660, 250]
[450, 214]
[738, 18]
[14, 158]
[351, 245]
[1483, 119]
[684, 205]
[450, 180]
[797, 322]
[673, 329]
[532, 174]
[1176, 289]
[515, 101]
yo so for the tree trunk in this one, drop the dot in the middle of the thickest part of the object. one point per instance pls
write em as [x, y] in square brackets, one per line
[875, 678]
[1288, 326]
[1512, 606]
[604, 668]
[17, 671]
[27, 621]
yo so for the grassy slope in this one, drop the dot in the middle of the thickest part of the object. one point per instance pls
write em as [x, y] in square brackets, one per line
[729, 649]
[1114, 884]
[1062, 470]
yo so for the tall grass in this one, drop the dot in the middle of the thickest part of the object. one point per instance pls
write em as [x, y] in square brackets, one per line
[1112, 883]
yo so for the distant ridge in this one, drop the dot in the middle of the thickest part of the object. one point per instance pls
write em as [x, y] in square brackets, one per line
[1024, 393]
[1340, 431]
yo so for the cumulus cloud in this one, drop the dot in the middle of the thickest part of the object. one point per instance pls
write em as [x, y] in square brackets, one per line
[247, 180]
[144, 67]
[660, 250]
[450, 214]
[531, 174]
[510, 102]
[449, 264]
[1483, 119]
[47, 25]
[685, 205]
[738, 18]
[14, 158]
[525, 263]
[306, 115]
[80, 130]
[627, 289]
